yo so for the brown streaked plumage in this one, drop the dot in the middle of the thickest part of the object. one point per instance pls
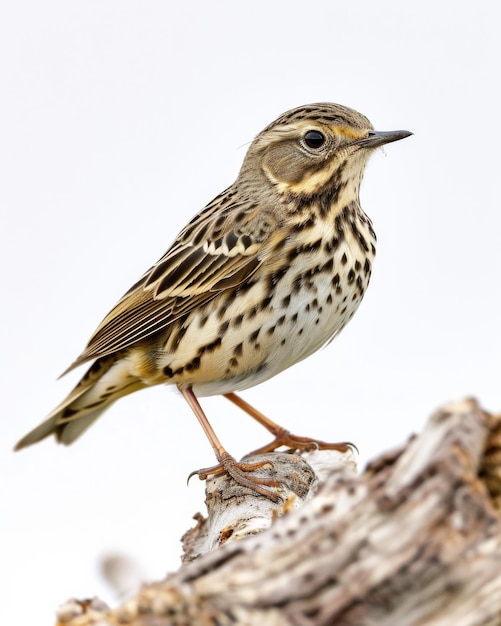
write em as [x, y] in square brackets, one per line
[266, 274]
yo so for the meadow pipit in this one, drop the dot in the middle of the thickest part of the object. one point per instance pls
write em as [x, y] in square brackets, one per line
[266, 274]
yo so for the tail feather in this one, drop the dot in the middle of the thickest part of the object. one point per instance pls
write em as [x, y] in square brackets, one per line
[65, 432]
[106, 380]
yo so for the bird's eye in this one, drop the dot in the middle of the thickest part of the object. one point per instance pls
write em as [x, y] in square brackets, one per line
[314, 139]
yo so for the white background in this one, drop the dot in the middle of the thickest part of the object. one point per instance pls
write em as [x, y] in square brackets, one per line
[119, 120]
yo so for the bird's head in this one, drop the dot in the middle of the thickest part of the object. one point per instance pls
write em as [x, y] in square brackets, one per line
[312, 148]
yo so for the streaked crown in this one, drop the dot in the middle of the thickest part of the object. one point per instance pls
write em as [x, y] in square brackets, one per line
[323, 113]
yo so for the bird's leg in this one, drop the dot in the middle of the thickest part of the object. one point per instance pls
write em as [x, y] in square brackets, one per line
[227, 463]
[282, 436]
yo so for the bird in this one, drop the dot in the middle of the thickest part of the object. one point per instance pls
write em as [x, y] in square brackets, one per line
[265, 275]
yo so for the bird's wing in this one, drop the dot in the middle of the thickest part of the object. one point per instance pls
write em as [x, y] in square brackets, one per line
[218, 250]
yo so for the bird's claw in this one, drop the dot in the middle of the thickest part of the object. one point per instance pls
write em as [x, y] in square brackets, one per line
[240, 474]
[294, 442]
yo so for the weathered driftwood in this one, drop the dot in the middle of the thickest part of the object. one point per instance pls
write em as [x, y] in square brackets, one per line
[414, 540]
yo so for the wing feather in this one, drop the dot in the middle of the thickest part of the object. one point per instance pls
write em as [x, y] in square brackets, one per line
[224, 250]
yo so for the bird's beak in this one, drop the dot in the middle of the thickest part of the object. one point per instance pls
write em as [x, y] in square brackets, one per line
[377, 138]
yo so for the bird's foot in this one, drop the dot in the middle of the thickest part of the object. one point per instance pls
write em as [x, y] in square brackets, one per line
[240, 472]
[284, 438]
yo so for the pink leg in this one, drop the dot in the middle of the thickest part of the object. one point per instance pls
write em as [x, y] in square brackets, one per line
[282, 436]
[226, 463]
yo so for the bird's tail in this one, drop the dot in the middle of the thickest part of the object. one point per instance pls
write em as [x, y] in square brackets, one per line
[104, 382]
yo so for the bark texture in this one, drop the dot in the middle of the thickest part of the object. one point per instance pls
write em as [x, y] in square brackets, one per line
[414, 540]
